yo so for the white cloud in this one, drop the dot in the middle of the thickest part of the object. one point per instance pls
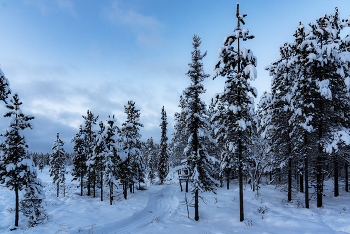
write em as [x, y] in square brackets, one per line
[147, 28]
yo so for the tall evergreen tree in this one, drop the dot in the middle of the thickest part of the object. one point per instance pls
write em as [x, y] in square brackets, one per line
[132, 168]
[235, 123]
[151, 156]
[79, 159]
[57, 163]
[15, 167]
[198, 159]
[89, 136]
[98, 158]
[163, 153]
[112, 159]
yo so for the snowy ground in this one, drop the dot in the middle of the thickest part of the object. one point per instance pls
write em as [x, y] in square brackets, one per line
[160, 209]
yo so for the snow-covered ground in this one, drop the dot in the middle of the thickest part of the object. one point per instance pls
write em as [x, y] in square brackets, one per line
[161, 209]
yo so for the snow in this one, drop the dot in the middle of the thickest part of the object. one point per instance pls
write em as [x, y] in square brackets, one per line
[161, 209]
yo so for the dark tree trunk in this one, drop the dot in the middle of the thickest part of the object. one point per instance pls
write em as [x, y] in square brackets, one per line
[101, 186]
[306, 171]
[88, 185]
[270, 176]
[58, 189]
[289, 179]
[346, 177]
[17, 207]
[94, 178]
[126, 190]
[130, 187]
[319, 182]
[301, 181]
[111, 193]
[180, 185]
[336, 176]
[81, 183]
[227, 179]
[186, 185]
[196, 215]
[240, 175]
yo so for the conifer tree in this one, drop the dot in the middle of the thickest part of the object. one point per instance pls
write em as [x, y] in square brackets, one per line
[235, 123]
[112, 159]
[132, 168]
[98, 157]
[163, 153]
[15, 167]
[57, 163]
[32, 203]
[198, 159]
[4, 87]
[79, 159]
[150, 154]
[88, 137]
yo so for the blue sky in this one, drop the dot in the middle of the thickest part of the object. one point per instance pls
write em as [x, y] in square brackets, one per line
[64, 57]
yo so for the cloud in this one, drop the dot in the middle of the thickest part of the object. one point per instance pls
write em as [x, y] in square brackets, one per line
[46, 7]
[146, 28]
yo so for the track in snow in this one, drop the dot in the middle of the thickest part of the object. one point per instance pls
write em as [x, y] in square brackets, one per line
[160, 205]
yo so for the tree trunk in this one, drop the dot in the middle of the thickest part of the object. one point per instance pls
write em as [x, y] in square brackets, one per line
[111, 193]
[301, 180]
[94, 178]
[336, 176]
[101, 186]
[180, 185]
[130, 186]
[17, 206]
[227, 180]
[196, 216]
[58, 188]
[88, 185]
[319, 183]
[186, 185]
[346, 177]
[81, 183]
[289, 179]
[306, 171]
[240, 175]
[126, 190]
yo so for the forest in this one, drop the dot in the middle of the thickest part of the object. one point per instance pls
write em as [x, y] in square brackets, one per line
[296, 138]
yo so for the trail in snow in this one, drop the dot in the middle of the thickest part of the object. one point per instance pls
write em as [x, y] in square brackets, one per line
[160, 205]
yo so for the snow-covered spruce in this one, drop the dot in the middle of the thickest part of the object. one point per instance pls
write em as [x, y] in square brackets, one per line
[197, 129]
[132, 167]
[150, 153]
[4, 87]
[58, 164]
[163, 153]
[234, 122]
[15, 167]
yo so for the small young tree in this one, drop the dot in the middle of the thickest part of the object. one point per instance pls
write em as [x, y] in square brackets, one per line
[32, 203]
[14, 166]
[150, 154]
[163, 154]
[57, 163]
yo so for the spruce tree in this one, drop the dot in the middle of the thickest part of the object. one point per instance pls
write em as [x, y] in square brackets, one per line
[112, 159]
[163, 153]
[57, 163]
[15, 167]
[32, 203]
[79, 159]
[196, 129]
[98, 157]
[4, 87]
[151, 156]
[132, 168]
[235, 123]
[88, 137]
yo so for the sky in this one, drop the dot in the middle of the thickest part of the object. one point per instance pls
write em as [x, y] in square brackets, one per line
[64, 57]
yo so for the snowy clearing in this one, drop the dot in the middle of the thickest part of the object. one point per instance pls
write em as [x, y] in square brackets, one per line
[160, 209]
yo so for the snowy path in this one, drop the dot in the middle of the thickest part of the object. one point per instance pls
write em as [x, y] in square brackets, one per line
[160, 205]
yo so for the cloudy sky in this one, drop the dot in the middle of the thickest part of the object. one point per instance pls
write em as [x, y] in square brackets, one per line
[64, 57]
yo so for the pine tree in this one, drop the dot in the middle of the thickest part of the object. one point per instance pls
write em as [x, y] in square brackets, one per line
[79, 159]
[112, 159]
[98, 157]
[14, 166]
[132, 167]
[88, 137]
[32, 203]
[163, 154]
[4, 87]
[235, 123]
[57, 163]
[196, 128]
[150, 154]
